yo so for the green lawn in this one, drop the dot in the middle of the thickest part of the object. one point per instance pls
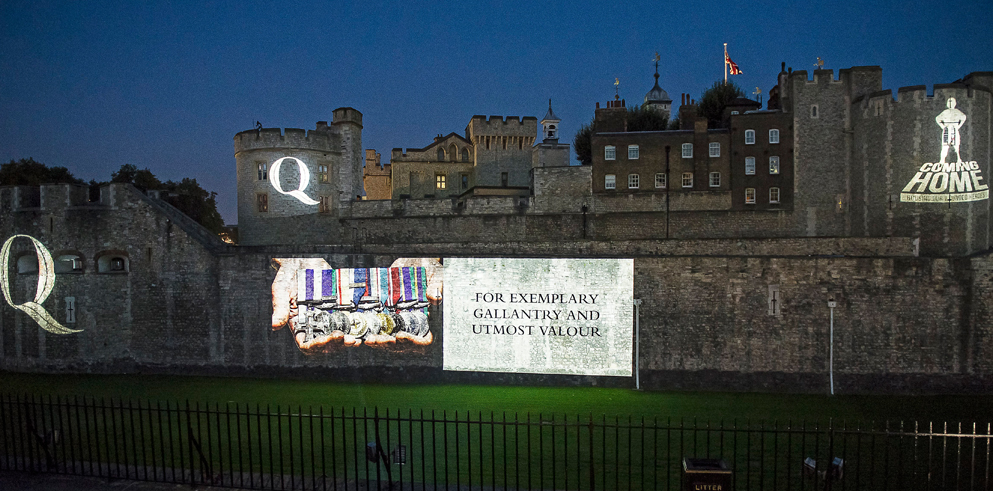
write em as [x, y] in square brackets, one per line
[568, 401]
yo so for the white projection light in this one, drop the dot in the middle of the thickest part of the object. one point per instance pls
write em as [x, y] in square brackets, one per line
[943, 181]
[548, 316]
[304, 181]
[46, 282]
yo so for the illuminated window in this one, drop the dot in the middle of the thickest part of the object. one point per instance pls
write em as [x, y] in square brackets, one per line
[774, 195]
[610, 181]
[262, 202]
[813, 111]
[325, 204]
[687, 150]
[774, 165]
[634, 181]
[749, 196]
[322, 173]
[773, 136]
[263, 172]
[715, 149]
[633, 152]
[749, 137]
[441, 154]
[609, 152]
[660, 180]
[687, 179]
[439, 181]
[749, 166]
[465, 154]
[715, 179]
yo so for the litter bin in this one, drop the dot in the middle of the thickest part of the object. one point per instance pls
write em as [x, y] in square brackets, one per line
[706, 475]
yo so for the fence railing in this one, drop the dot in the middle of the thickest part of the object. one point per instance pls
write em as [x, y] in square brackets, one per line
[279, 447]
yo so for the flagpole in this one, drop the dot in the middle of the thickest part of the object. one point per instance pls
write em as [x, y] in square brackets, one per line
[725, 63]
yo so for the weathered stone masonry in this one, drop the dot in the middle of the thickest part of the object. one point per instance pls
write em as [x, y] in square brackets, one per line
[190, 304]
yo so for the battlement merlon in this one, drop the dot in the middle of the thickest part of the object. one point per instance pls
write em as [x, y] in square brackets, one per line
[347, 115]
[322, 139]
[920, 93]
[55, 198]
[499, 126]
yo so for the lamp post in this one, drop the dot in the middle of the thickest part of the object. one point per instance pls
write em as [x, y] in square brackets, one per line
[637, 344]
[831, 305]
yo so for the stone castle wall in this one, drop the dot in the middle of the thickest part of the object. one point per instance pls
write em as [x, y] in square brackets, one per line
[189, 305]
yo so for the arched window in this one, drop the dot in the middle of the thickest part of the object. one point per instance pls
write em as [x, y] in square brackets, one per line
[453, 152]
[113, 262]
[68, 262]
[465, 154]
[441, 155]
[27, 263]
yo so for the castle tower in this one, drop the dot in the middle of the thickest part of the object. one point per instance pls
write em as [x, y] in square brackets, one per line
[550, 124]
[287, 177]
[657, 99]
[549, 152]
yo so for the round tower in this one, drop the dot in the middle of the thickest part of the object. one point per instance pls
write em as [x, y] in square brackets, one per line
[292, 173]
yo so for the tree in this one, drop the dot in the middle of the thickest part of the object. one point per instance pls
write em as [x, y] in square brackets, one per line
[715, 99]
[645, 119]
[28, 172]
[186, 195]
[583, 144]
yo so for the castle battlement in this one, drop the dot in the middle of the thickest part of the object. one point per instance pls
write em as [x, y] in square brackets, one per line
[324, 139]
[912, 93]
[501, 126]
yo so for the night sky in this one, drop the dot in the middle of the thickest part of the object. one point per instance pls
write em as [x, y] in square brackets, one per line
[94, 85]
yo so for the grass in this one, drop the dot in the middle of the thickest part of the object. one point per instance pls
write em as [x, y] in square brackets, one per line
[620, 451]
[473, 398]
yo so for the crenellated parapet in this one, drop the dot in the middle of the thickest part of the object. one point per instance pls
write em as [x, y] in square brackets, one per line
[320, 139]
[502, 126]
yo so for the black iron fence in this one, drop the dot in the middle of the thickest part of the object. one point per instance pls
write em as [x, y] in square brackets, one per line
[266, 447]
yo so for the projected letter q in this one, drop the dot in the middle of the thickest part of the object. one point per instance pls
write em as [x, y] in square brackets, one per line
[304, 180]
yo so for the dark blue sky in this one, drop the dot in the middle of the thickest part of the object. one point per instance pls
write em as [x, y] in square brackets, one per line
[93, 85]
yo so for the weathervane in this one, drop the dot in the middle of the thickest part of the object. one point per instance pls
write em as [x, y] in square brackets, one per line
[757, 94]
[819, 64]
[617, 92]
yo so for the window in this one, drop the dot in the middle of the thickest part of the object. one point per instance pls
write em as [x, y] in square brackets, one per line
[325, 204]
[660, 180]
[610, 181]
[774, 195]
[453, 152]
[813, 111]
[322, 173]
[715, 179]
[113, 262]
[262, 202]
[687, 150]
[465, 154]
[774, 165]
[633, 152]
[687, 179]
[27, 264]
[504, 179]
[749, 196]
[441, 154]
[68, 263]
[749, 166]
[464, 178]
[773, 136]
[609, 152]
[263, 172]
[734, 112]
[439, 181]
[749, 137]
[715, 149]
[634, 181]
